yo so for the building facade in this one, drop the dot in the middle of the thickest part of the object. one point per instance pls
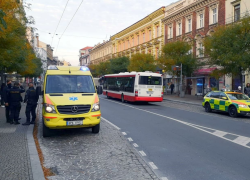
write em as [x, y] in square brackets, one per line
[191, 21]
[236, 10]
[101, 52]
[84, 56]
[145, 36]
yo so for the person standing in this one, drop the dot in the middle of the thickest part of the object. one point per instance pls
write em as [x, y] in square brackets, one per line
[239, 89]
[247, 90]
[31, 97]
[13, 101]
[7, 108]
[172, 87]
[2, 94]
[21, 100]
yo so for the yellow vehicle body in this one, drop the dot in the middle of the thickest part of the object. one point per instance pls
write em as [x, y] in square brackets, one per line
[69, 109]
[232, 102]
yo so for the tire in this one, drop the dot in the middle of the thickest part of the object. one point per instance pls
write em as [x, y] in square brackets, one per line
[46, 131]
[232, 111]
[208, 107]
[96, 129]
[122, 98]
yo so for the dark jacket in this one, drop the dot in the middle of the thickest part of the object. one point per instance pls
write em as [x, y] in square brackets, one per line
[5, 92]
[31, 96]
[13, 95]
[247, 90]
[172, 86]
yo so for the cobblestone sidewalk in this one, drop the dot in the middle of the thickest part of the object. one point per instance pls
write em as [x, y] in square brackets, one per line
[79, 154]
[14, 154]
[189, 99]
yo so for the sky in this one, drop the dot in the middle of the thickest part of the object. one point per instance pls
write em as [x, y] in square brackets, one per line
[95, 21]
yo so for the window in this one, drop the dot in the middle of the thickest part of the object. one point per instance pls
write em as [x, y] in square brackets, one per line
[128, 44]
[150, 35]
[237, 12]
[150, 80]
[189, 25]
[223, 95]
[138, 37]
[201, 49]
[133, 41]
[201, 21]
[119, 84]
[124, 45]
[215, 95]
[214, 15]
[143, 37]
[179, 29]
[170, 32]
[157, 31]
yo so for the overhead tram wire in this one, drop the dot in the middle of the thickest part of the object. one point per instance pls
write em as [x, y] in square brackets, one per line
[59, 22]
[68, 24]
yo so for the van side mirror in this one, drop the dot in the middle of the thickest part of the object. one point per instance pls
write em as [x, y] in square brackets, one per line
[224, 98]
[99, 90]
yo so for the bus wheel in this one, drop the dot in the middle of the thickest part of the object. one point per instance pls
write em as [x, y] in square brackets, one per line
[46, 131]
[122, 98]
[96, 129]
[107, 95]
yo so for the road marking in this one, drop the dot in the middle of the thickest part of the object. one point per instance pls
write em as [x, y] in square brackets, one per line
[110, 123]
[130, 139]
[124, 133]
[142, 153]
[164, 178]
[135, 145]
[241, 140]
[153, 165]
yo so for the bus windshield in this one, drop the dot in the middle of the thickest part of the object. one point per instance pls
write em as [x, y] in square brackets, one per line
[69, 84]
[150, 80]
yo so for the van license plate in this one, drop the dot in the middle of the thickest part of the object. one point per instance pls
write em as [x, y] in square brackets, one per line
[150, 90]
[74, 123]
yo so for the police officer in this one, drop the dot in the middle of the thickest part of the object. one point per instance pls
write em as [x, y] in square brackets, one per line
[31, 97]
[13, 101]
[7, 108]
[21, 100]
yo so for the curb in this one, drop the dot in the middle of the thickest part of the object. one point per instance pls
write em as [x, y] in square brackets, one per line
[36, 167]
[185, 102]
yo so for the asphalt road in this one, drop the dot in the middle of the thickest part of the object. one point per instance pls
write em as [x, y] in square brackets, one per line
[182, 141]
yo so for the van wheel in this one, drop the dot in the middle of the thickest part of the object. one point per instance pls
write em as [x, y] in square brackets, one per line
[96, 129]
[207, 107]
[233, 111]
[122, 98]
[46, 131]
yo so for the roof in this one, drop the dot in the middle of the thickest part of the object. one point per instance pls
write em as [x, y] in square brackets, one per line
[88, 47]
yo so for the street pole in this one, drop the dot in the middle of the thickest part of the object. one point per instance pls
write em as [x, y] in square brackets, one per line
[243, 80]
[181, 76]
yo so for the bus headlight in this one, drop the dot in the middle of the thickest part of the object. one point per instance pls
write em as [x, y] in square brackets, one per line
[96, 107]
[50, 108]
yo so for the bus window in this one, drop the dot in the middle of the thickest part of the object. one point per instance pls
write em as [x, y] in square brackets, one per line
[150, 80]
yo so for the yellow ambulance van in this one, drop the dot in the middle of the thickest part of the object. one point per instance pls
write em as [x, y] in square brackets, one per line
[70, 99]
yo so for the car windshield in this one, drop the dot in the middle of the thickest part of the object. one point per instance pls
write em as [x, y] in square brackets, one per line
[69, 84]
[238, 97]
[150, 80]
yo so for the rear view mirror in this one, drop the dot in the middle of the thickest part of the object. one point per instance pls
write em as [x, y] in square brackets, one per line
[224, 98]
[99, 90]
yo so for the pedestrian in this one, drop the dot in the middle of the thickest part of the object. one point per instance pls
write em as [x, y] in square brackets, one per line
[7, 108]
[31, 97]
[21, 100]
[239, 89]
[2, 94]
[13, 101]
[247, 90]
[172, 87]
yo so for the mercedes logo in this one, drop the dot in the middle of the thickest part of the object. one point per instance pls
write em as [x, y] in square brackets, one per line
[74, 109]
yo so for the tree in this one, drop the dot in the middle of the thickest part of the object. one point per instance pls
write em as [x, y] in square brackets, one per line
[175, 54]
[93, 70]
[119, 64]
[2, 21]
[229, 48]
[142, 62]
[103, 68]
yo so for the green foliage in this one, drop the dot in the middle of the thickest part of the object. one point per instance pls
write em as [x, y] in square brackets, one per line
[119, 64]
[103, 68]
[142, 62]
[175, 54]
[229, 48]
[93, 70]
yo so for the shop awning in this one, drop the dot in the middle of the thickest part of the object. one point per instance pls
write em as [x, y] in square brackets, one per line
[205, 70]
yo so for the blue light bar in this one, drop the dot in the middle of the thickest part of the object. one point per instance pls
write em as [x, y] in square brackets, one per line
[52, 67]
[84, 68]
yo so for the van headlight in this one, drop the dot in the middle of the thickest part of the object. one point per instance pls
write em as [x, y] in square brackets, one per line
[49, 108]
[96, 107]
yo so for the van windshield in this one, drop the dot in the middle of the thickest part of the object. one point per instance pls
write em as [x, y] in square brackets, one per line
[69, 84]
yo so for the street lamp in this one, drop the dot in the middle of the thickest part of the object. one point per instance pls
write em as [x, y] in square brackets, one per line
[180, 78]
